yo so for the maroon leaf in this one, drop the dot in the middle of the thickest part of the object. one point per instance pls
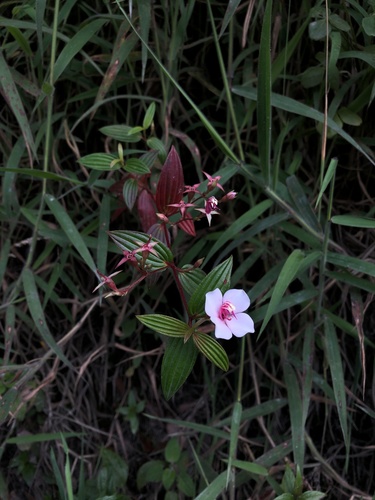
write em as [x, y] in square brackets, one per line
[171, 184]
[187, 225]
[146, 210]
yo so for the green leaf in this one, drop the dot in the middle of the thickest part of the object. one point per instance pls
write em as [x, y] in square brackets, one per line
[132, 240]
[186, 484]
[288, 480]
[120, 133]
[70, 230]
[150, 472]
[229, 13]
[331, 171]
[308, 358]
[156, 144]
[37, 314]
[296, 414]
[213, 490]
[149, 116]
[130, 192]
[14, 101]
[312, 77]
[217, 278]
[368, 24]
[353, 221]
[349, 117]
[285, 496]
[178, 361]
[100, 161]
[74, 45]
[164, 324]
[9, 401]
[211, 348]
[190, 279]
[318, 29]
[168, 478]
[40, 174]
[144, 10]
[302, 203]
[339, 23]
[41, 438]
[136, 166]
[335, 365]
[264, 110]
[234, 432]
[172, 451]
[21, 40]
[311, 495]
[250, 467]
[287, 275]
[358, 265]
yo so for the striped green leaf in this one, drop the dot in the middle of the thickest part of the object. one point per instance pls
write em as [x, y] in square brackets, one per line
[191, 279]
[217, 278]
[164, 324]
[211, 349]
[136, 166]
[132, 240]
[100, 161]
[178, 361]
[121, 133]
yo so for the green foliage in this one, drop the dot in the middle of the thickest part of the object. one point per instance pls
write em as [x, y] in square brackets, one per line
[171, 471]
[130, 412]
[292, 485]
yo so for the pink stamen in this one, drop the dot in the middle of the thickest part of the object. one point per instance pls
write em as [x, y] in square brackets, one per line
[226, 311]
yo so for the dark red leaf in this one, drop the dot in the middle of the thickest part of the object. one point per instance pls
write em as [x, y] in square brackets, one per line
[146, 210]
[170, 187]
[187, 225]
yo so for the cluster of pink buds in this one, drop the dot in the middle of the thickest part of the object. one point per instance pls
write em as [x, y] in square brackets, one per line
[210, 203]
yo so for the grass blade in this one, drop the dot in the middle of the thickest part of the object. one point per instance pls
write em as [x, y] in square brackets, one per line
[144, 8]
[37, 314]
[74, 45]
[14, 101]
[296, 414]
[287, 275]
[264, 112]
[70, 230]
[234, 431]
[337, 374]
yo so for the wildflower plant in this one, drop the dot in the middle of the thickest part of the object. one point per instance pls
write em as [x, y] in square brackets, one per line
[208, 303]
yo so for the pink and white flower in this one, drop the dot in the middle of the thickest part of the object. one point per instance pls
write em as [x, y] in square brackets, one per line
[227, 313]
[210, 208]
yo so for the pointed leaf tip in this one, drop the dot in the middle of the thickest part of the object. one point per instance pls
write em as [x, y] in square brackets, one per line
[171, 184]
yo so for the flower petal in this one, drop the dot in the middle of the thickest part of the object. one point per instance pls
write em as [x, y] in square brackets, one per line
[241, 325]
[222, 331]
[214, 300]
[238, 298]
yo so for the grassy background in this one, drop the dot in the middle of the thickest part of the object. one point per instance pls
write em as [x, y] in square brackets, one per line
[278, 100]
